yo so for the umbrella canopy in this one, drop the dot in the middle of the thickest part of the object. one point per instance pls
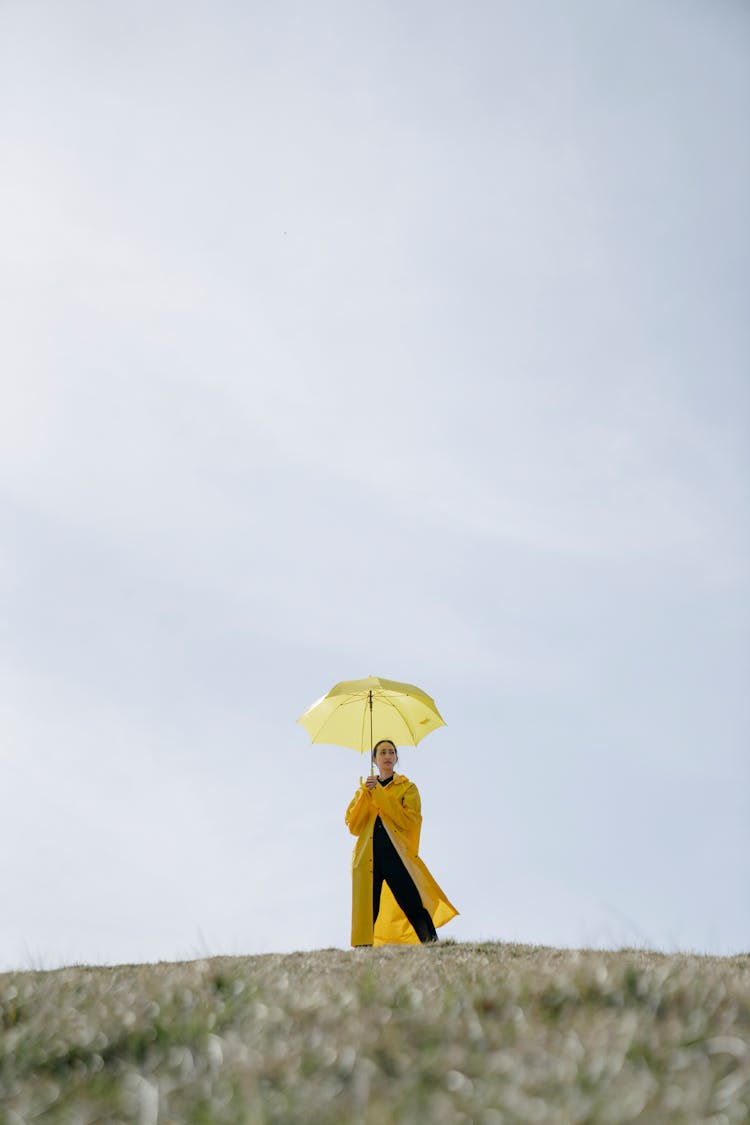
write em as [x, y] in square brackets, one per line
[359, 713]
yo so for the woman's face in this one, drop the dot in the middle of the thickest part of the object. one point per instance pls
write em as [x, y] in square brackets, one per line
[385, 759]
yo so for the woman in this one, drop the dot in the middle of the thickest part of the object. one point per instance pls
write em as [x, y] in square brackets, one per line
[394, 896]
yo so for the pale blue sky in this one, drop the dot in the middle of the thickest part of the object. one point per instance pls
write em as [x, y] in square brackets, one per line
[397, 339]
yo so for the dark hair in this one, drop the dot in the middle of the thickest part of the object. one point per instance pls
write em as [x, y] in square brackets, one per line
[380, 743]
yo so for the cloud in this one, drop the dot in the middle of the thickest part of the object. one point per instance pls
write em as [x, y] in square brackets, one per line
[404, 342]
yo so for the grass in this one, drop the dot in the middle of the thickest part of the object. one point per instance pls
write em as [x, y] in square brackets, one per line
[477, 1033]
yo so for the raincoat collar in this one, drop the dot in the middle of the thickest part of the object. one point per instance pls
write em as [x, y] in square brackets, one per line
[399, 779]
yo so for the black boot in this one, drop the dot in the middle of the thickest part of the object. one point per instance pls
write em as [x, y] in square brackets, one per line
[424, 928]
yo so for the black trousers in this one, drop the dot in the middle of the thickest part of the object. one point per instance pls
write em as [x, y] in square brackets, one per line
[388, 866]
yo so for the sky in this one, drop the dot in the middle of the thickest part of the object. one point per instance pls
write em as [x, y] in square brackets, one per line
[394, 339]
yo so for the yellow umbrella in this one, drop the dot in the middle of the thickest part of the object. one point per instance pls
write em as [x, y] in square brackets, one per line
[359, 713]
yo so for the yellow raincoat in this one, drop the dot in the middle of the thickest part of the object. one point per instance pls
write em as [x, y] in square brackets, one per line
[400, 811]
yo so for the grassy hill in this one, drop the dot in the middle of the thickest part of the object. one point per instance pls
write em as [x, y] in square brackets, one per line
[487, 1034]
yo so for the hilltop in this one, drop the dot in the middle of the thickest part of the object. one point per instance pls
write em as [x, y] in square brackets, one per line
[485, 1033]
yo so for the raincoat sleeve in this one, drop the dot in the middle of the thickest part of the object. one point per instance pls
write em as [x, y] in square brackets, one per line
[405, 812]
[358, 811]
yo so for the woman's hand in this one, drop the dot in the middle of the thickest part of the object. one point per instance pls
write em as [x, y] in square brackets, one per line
[370, 782]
